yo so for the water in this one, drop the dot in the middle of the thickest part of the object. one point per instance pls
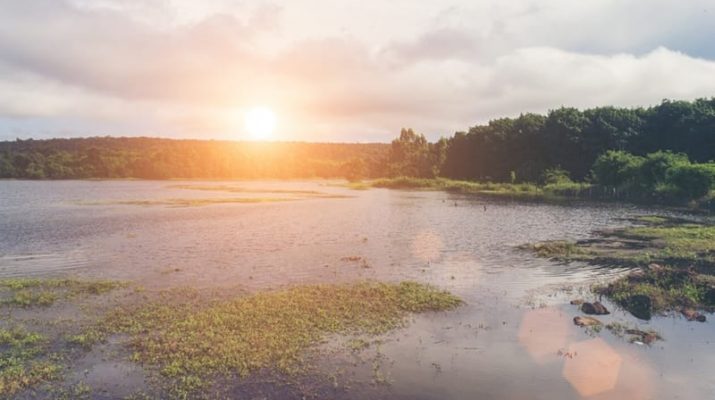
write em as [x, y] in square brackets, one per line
[514, 338]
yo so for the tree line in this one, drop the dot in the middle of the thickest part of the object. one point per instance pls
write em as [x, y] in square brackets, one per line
[650, 150]
[618, 148]
[152, 158]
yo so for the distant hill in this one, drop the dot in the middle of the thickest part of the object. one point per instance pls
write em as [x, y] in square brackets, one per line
[153, 158]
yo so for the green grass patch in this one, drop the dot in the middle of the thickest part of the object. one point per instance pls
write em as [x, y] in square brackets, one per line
[666, 288]
[27, 292]
[526, 191]
[676, 260]
[22, 361]
[558, 249]
[190, 342]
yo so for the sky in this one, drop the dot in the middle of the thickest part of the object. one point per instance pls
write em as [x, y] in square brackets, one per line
[337, 70]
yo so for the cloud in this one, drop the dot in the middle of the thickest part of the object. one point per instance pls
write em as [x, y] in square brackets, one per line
[176, 68]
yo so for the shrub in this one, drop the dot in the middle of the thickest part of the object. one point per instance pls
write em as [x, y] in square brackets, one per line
[617, 168]
[692, 181]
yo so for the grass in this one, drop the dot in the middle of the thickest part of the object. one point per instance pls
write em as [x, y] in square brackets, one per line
[620, 330]
[527, 191]
[189, 202]
[688, 242]
[22, 362]
[190, 344]
[557, 249]
[667, 288]
[238, 189]
[194, 340]
[27, 292]
[675, 260]
[25, 357]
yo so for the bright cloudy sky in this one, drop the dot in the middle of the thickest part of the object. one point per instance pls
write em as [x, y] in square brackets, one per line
[337, 70]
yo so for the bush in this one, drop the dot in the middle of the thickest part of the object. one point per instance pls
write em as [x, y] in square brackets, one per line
[692, 181]
[654, 168]
[617, 168]
[556, 176]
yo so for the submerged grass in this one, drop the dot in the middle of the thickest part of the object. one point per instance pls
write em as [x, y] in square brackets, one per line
[23, 361]
[195, 340]
[190, 202]
[238, 189]
[528, 191]
[665, 288]
[675, 260]
[190, 344]
[27, 292]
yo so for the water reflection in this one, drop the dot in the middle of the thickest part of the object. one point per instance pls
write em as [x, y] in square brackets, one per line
[493, 347]
[544, 332]
[592, 367]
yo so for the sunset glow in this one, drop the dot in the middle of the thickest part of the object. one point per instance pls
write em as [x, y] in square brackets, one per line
[260, 123]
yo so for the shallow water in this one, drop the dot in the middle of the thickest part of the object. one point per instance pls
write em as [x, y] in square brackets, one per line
[514, 339]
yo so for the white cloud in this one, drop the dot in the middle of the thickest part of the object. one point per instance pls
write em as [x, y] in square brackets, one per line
[355, 70]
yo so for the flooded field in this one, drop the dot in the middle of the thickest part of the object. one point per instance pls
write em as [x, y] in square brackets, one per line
[513, 338]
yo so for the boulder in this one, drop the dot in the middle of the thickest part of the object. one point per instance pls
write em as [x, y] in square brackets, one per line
[586, 321]
[709, 297]
[640, 306]
[594, 308]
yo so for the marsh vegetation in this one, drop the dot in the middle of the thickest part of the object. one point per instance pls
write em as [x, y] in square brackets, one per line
[673, 261]
[192, 339]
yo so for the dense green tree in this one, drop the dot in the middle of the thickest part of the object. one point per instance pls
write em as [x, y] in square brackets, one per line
[617, 169]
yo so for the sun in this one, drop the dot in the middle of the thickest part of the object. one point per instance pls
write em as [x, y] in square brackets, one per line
[260, 122]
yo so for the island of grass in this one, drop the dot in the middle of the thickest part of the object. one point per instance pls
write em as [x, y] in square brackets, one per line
[192, 341]
[673, 263]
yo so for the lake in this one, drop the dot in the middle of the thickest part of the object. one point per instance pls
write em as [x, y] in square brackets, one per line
[513, 339]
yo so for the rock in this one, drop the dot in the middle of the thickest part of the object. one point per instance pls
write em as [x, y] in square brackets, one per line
[645, 337]
[709, 297]
[586, 321]
[576, 302]
[594, 308]
[640, 306]
[692, 315]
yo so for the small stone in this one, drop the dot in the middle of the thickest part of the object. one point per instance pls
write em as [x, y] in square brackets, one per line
[586, 321]
[692, 315]
[576, 302]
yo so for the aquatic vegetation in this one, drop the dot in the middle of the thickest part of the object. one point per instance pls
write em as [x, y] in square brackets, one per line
[191, 343]
[189, 202]
[634, 334]
[665, 288]
[524, 191]
[23, 360]
[558, 249]
[676, 260]
[238, 189]
[28, 292]
[687, 242]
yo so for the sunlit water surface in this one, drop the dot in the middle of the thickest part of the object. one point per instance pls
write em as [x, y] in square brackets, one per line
[514, 339]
